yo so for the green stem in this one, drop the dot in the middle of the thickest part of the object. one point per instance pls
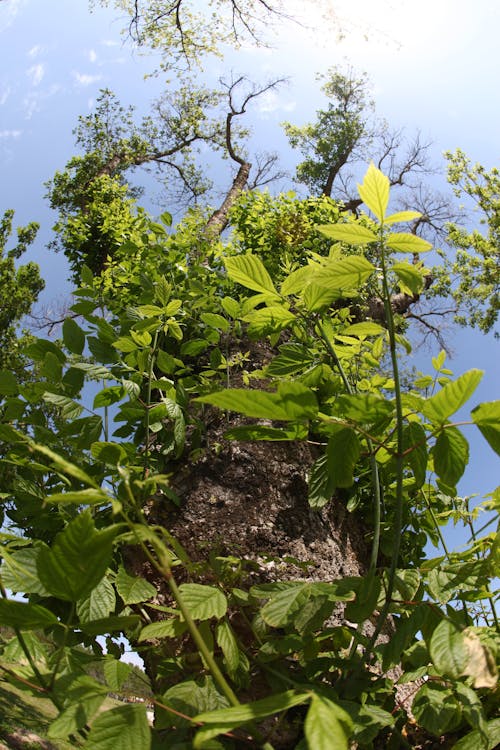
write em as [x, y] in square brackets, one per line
[377, 496]
[152, 358]
[474, 539]
[398, 515]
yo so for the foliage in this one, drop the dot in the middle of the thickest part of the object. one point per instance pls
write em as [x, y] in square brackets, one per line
[20, 287]
[474, 272]
[337, 135]
[79, 498]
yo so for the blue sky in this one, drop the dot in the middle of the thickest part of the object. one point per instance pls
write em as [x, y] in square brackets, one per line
[434, 67]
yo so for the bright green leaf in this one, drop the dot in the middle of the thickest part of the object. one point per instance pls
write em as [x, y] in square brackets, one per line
[451, 397]
[354, 234]
[249, 271]
[403, 242]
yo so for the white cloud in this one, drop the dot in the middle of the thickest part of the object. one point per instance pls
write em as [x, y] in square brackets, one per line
[271, 101]
[109, 43]
[9, 12]
[4, 94]
[84, 79]
[35, 51]
[36, 73]
[92, 55]
[33, 101]
[10, 133]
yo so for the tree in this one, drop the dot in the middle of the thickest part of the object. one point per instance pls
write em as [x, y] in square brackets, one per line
[474, 272]
[20, 287]
[249, 496]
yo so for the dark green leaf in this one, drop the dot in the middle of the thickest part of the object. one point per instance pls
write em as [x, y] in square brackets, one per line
[77, 560]
[73, 336]
[451, 455]
[8, 383]
[122, 728]
[343, 453]
[415, 444]
[25, 616]
[487, 417]
[237, 715]
[327, 725]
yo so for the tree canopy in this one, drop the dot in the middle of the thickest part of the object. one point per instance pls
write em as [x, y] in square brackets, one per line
[222, 458]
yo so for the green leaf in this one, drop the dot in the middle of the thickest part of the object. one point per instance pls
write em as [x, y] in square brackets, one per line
[403, 242]
[133, 589]
[116, 673]
[354, 234]
[89, 496]
[317, 297]
[374, 191]
[451, 397]
[69, 409]
[261, 432]
[364, 408]
[227, 641]
[281, 609]
[249, 271]
[437, 709]
[320, 485]
[343, 453]
[216, 321]
[108, 452]
[475, 740]
[172, 628]
[366, 599]
[410, 276]
[234, 716]
[451, 455]
[202, 601]
[415, 442]
[8, 383]
[364, 329]
[189, 698]
[448, 650]
[98, 604]
[25, 616]
[108, 396]
[85, 697]
[291, 401]
[122, 728]
[269, 319]
[63, 465]
[327, 725]
[73, 336]
[19, 572]
[292, 359]
[402, 216]
[349, 273]
[77, 560]
[487, 417]
[297, 280]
